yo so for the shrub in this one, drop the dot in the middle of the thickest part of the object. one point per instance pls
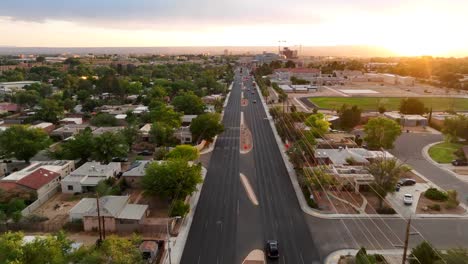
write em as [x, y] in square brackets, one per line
[435, 194]
[386, 210]
[179, 208]
[435, 207]
[452, 201]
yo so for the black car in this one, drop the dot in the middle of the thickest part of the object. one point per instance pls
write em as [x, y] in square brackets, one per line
[119, 159]
[272, 249]
[406, 182]
[145, 153]
[460, 162]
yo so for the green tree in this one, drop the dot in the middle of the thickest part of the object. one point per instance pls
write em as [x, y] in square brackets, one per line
[381, 132]
[80, 147]
[161, 133]
[363, 258]
[206, 126]
[104, 120]
[318, 124]
[184, 152]
[349, 117]
[109, 145]
[188, 103]
[162, 113]
[424, 253]
[412, 106]
[454, 256]
[171, 179]
[27, 98]
[386, 172]
[456, 127]
[23, 142]
[11, 246]
[130, 134]
[50, 111]
[49, 249]
[179, 208]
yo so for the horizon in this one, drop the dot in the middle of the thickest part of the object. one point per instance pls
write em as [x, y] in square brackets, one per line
[404, 29]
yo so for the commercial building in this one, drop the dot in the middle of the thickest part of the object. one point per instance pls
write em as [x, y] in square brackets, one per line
[300, 73]
[298, 88]
[407, 120]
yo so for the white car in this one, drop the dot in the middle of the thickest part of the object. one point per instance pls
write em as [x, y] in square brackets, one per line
[408, 199]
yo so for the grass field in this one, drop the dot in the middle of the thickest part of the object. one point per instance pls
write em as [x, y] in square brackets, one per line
[444, 152]
[390, 103]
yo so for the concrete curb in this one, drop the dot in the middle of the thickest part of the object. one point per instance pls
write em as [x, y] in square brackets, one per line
[210, 148]
[333, 257]
[300, 196]
[425, 153]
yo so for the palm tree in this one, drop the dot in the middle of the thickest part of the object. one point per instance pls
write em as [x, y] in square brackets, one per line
[386, 173]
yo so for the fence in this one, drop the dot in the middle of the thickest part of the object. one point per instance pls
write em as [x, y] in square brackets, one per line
[30, 227]
[40, 201]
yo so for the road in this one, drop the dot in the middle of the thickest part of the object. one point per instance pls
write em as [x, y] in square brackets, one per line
[227, 225]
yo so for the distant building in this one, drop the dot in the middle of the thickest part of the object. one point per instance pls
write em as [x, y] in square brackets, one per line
[13, 87]
[288, 53]
[298, 88]
[267, 58]
[300, 73]
[407, 120]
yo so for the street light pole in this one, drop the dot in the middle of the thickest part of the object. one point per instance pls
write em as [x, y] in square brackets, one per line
[169, 236]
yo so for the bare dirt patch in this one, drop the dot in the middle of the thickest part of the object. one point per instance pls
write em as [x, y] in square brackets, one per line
[424, 203]
[331, 205]
[373, 203]
[158, 207]
[58, 206]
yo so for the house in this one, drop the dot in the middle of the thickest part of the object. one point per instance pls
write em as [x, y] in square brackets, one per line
[145, 132]
[102, 130]
[348, 156]
[8, 108]
[187, 119]
[87, 177]
[336, 140]
[184, 135]
[45, 126]
[135, 172]
[356, 176]
[117, 212]
[70, 130]
[407, 120]
[40, 181]
[62, 167]
[71, 120]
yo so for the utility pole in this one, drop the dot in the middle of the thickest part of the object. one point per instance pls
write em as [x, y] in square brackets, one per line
[405, 249]
[99, 217]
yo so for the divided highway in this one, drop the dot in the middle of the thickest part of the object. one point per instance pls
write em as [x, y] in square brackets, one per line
[227, 225]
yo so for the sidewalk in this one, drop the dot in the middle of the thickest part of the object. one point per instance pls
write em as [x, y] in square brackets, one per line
[395, 255]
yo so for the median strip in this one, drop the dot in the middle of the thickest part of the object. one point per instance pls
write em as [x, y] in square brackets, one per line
[248, 189]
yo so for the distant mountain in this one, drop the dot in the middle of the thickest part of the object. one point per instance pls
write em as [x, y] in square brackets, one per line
[341, 51]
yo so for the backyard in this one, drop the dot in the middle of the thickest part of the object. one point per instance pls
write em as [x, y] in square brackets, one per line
[390, 103]
[444, 152]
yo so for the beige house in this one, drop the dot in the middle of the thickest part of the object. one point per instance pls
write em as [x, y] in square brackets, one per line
[117, 212]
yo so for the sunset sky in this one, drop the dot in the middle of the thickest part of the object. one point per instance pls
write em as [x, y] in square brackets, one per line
[420, 27]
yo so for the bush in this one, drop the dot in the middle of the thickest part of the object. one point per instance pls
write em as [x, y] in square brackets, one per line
[435, 207]
[386, 210]
[452, 201]
[179, 208]
[435, 195]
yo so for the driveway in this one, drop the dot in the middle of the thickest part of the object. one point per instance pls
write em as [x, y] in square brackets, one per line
[408, 148]
[396, 198]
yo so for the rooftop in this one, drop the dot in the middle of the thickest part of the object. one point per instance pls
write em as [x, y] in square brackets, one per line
[38, 178]
[137, 168]
[55, 166]
[113, 206]
[96, 169]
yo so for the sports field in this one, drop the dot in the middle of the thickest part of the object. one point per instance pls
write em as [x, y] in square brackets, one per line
[390, 103]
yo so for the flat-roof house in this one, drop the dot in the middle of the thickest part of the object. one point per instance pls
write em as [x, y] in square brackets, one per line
[71, 120]
[348, 156]
[45, 126]
[102, 130]
[40, 181]
[136, 171]
[86, 177]
[70, 130]
[407, 120]
[118, 213]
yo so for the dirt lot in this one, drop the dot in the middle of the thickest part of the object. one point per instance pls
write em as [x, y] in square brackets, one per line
[335, 206]
[157, 206]
[425, 202]
[58, 206]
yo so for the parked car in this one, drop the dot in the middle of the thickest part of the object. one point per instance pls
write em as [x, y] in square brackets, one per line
[406, 182]
[460, 162]
[121, 159]
[149, 251]
[145, 153]
[272, 249]
[408, 199]
[254, 101]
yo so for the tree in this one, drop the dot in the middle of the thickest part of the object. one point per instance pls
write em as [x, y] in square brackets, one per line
[50, 111]
[184, 152]
[206, 126]
[104, 119]
[412, 106]
[318, 124]
[27, 98]
[386, 172]
[424, 253]
[381, 132]
[454, 256]
[363, 258]
[160, 112]
[349, 117]
[456, 127]
[80, 147]
[188, 103]
[109, 145]
[23, 142]
[130, 134]
[173, 179]
[290, 64]
[161, 133]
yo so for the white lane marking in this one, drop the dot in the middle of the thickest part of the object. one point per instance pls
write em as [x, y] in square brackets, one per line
[199, 259]
[302, 260]
[248, 189]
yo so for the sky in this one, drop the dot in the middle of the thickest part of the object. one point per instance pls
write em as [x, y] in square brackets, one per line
[406, 27]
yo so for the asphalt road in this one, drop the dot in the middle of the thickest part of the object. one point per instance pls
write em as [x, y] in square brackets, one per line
[227, 225]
